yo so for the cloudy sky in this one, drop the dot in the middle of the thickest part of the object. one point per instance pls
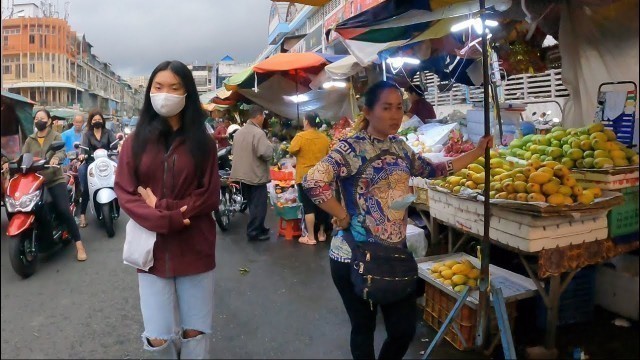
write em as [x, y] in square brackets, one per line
[136, 35]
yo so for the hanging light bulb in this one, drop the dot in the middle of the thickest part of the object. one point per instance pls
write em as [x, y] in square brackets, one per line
[334, 84]
[476, 23]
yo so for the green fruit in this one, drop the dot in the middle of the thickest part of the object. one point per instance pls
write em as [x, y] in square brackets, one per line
[566, 149]
[516, 143]
[576, 144]
[584, 137]
[575, 154]
[558, 135]
[580, 164]
[568, 163]
[503, 152]
[528, 146]
[557, 129]
[535, 157]
[598, 144]
[602, 163]
[544, 158]
[542, 149]
[589, 154]
[528, 139]
[544, 141]
[554, 152]
[599, 154]
[527, 155]
[514, 152]
[589, 163]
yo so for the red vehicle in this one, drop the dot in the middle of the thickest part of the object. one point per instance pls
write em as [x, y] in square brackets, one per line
[28, 206]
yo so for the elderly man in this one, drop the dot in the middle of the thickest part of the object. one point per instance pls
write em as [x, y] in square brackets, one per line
[73, 135]
[252, 153]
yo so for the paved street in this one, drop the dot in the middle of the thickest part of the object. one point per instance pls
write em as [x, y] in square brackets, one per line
[285, 307]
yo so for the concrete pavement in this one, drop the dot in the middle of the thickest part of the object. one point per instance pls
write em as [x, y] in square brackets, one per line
[285, 307]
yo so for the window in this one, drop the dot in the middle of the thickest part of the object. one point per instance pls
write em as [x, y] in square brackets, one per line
[5, 40]
[32, 94]
[32, 68]
[32, 39]
[24, 70]
[11, 31]
[53, 68]
[7, 69]
[17, 74]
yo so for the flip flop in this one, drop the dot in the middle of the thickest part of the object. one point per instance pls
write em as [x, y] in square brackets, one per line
[305, 240]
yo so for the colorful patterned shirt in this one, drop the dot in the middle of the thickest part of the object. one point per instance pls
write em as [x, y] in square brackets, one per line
[372, 174]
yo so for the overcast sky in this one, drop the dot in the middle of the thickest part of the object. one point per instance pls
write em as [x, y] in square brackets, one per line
[136, 35]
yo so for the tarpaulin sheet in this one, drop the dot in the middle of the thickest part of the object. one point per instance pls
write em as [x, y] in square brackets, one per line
[598, 44]
[329, 104]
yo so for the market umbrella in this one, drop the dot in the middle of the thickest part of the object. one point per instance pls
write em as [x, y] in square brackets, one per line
[300, 68]
[239, 80]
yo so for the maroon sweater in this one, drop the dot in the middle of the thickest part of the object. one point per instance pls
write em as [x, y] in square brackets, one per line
[179, 249]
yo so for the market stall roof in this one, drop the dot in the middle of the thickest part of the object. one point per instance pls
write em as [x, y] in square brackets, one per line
[18, 97]
[290, 61]
[220, 92]
[61, 113]
[234, 81]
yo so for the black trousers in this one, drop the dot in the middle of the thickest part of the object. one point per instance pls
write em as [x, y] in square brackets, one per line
[399, 319]
[60, 198]
[257, 198]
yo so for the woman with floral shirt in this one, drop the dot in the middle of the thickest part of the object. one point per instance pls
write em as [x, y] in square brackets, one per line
[372, 169]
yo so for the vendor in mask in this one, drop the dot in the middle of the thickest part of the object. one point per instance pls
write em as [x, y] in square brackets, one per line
[95, 137]
[420, 107]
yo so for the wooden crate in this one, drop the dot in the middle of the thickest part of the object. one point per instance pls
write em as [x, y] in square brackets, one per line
[438, 306]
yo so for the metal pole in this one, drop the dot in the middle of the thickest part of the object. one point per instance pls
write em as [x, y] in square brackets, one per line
[483, 306]
[384, 71]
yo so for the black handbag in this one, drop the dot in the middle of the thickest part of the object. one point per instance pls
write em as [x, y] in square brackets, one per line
[381, 274]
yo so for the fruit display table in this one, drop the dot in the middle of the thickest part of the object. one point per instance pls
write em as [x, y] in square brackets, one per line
[581, 242]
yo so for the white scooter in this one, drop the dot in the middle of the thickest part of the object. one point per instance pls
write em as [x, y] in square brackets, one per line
[101, 176]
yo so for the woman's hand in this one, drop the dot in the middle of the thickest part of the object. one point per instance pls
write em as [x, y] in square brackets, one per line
[54, 161]
[343, 222]
[484, 142]
[151, 199]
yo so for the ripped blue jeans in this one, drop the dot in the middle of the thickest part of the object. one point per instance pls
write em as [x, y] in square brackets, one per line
[170, 306]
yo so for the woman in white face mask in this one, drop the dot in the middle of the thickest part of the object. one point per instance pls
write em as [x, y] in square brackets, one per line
[167, 181]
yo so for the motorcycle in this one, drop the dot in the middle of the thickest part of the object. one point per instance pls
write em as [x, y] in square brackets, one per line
[101, 176]
[72, 171]
[29, 205]
[231, 200]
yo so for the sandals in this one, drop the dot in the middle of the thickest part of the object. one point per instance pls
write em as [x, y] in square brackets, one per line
[83, 223]
[305, 240]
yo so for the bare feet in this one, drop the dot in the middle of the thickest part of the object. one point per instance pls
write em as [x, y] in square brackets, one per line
[83, 221]
[322, 236]
[82, 254]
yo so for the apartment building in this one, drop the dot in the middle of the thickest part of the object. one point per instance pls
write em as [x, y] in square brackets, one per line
[225, 68]
[202, 75]
[45, 60]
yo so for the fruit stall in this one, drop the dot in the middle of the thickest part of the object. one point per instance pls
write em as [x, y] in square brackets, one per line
[559, 202]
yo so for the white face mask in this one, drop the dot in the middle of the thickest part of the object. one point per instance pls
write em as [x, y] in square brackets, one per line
[167, 105]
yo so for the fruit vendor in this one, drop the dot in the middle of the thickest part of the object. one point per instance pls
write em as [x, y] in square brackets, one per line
[373, 168]
[420, 107]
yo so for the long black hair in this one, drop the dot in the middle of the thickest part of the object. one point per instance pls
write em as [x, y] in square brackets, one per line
[93, 113]
[154, 127]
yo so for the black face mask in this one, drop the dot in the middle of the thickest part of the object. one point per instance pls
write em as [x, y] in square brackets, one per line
[98, 125]
[41, 125]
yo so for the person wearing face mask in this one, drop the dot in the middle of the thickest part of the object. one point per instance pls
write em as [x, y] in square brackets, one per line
[37, 144]
[372, 168]
[95, 137]
[167, 181]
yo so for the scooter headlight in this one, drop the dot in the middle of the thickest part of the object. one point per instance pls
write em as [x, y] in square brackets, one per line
[25, 204]
[103, 169]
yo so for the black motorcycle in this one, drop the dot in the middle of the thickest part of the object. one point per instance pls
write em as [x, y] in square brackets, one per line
[231, 200]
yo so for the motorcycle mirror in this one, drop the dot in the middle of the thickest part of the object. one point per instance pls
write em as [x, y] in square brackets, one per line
[76, 145]
[120, 136]
[56, 146]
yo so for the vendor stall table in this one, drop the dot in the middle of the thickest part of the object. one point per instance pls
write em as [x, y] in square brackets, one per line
[558, 264]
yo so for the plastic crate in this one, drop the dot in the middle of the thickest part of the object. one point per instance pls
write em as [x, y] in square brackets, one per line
[576, 301]
[438, 306]
[623, 219]
[624, 125]
[288, 212]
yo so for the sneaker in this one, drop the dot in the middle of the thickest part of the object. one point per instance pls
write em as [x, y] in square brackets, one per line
[261, 237]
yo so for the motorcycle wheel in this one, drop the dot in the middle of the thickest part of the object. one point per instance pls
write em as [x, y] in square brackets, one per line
[23, 265]
[223, 215]
[107, 219]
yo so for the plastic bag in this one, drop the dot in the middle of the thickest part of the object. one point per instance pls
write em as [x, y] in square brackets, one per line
[138, 246]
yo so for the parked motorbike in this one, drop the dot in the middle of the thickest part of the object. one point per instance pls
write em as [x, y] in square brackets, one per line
[29, 205]
[231, 200]
[72, 171]
[101, 176]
